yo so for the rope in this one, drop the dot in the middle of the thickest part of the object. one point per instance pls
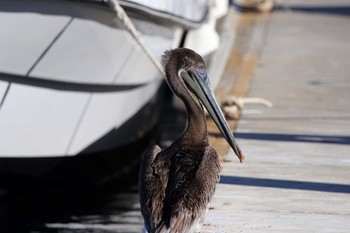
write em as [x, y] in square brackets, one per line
[121, 14]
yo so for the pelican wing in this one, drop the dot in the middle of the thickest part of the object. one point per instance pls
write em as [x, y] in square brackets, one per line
[149, 185]
[191, 188]
[176, 187]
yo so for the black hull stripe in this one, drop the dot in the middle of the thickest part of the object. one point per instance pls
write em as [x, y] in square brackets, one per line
[69, 86]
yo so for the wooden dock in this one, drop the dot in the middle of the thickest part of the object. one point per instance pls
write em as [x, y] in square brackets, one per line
[296, 177]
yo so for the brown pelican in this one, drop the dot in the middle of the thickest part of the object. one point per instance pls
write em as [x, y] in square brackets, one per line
[177, 183]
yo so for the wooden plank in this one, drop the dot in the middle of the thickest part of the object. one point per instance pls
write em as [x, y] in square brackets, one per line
[238, 73]
[296, 175]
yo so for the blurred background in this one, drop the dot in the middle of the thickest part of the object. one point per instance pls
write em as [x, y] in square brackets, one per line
[81, 100]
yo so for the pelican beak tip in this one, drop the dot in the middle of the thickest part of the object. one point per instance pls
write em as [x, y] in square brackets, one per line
[241, 158]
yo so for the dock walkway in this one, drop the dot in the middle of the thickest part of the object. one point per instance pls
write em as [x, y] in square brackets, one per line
[296, 177]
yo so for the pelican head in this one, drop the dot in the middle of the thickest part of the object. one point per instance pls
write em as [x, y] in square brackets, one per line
[192, 74]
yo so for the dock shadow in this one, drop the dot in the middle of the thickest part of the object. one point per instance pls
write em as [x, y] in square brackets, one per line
[343, 140]
[286, 184]
[333, 10]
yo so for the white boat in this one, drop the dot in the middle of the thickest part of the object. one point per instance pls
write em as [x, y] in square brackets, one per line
[79, 99]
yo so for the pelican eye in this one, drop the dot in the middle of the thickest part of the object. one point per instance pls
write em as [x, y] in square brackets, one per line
[202, 74]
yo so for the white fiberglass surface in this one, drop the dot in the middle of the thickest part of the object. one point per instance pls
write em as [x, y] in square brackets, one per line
[3, 87]
[39, 122]
[107, 111]
[87, 52]
[25, 38]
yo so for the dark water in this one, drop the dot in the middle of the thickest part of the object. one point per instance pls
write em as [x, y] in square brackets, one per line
[70, 208]
[66, 209]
